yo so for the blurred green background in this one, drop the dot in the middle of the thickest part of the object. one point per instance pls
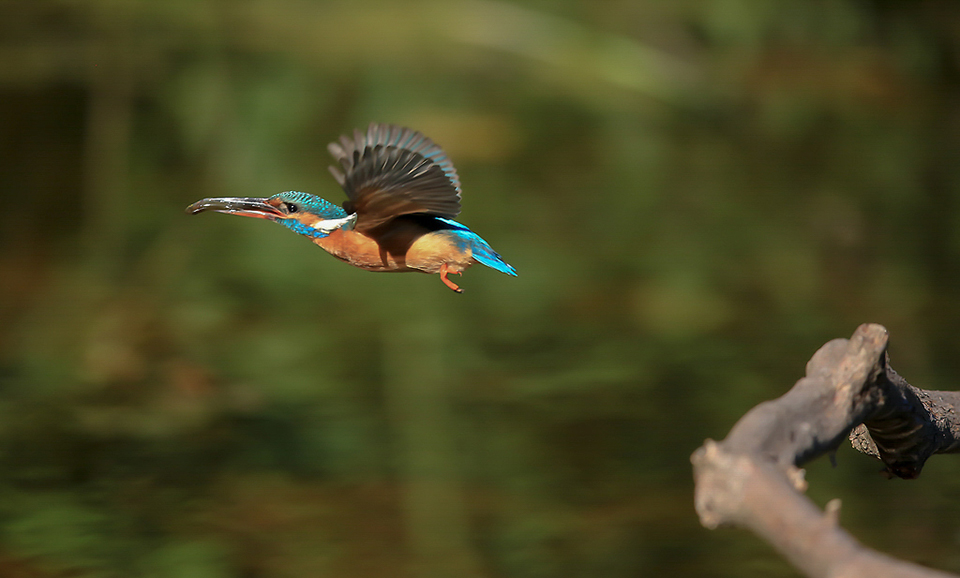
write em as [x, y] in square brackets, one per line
[696, 195]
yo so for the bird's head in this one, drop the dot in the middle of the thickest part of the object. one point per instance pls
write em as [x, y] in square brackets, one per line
[302, 213]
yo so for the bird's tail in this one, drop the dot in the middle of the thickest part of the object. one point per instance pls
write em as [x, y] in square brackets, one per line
[485, 255]
[480, 250]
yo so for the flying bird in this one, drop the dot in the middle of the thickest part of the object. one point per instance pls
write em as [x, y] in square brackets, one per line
[402, 196]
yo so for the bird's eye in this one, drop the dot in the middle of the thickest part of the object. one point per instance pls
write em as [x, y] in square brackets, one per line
[291, 208]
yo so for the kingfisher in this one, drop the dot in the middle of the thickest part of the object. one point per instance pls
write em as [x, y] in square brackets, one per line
[402, 196]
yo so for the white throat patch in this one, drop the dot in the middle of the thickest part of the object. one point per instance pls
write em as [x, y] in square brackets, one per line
[330, 225]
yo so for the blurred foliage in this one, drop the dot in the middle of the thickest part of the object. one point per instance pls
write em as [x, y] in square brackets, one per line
[697, 195]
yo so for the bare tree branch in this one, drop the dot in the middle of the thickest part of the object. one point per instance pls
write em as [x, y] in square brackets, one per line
[753, 479]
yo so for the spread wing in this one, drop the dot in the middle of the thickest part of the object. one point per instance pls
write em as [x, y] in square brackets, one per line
[392, 171]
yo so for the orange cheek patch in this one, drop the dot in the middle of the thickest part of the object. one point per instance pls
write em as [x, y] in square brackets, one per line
[308, 219]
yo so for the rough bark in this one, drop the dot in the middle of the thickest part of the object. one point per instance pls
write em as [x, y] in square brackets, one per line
[753, 477]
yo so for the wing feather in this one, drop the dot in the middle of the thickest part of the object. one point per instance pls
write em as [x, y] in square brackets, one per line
[391, 171]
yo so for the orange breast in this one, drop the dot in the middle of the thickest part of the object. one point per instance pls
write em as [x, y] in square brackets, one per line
[399, 248]
[360, 251]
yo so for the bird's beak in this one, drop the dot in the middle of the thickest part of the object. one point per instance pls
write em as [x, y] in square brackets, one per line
[246, 207]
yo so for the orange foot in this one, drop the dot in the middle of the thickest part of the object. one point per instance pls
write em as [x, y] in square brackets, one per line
[443, 277]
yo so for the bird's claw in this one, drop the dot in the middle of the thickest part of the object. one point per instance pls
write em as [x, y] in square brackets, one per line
[443, 277]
